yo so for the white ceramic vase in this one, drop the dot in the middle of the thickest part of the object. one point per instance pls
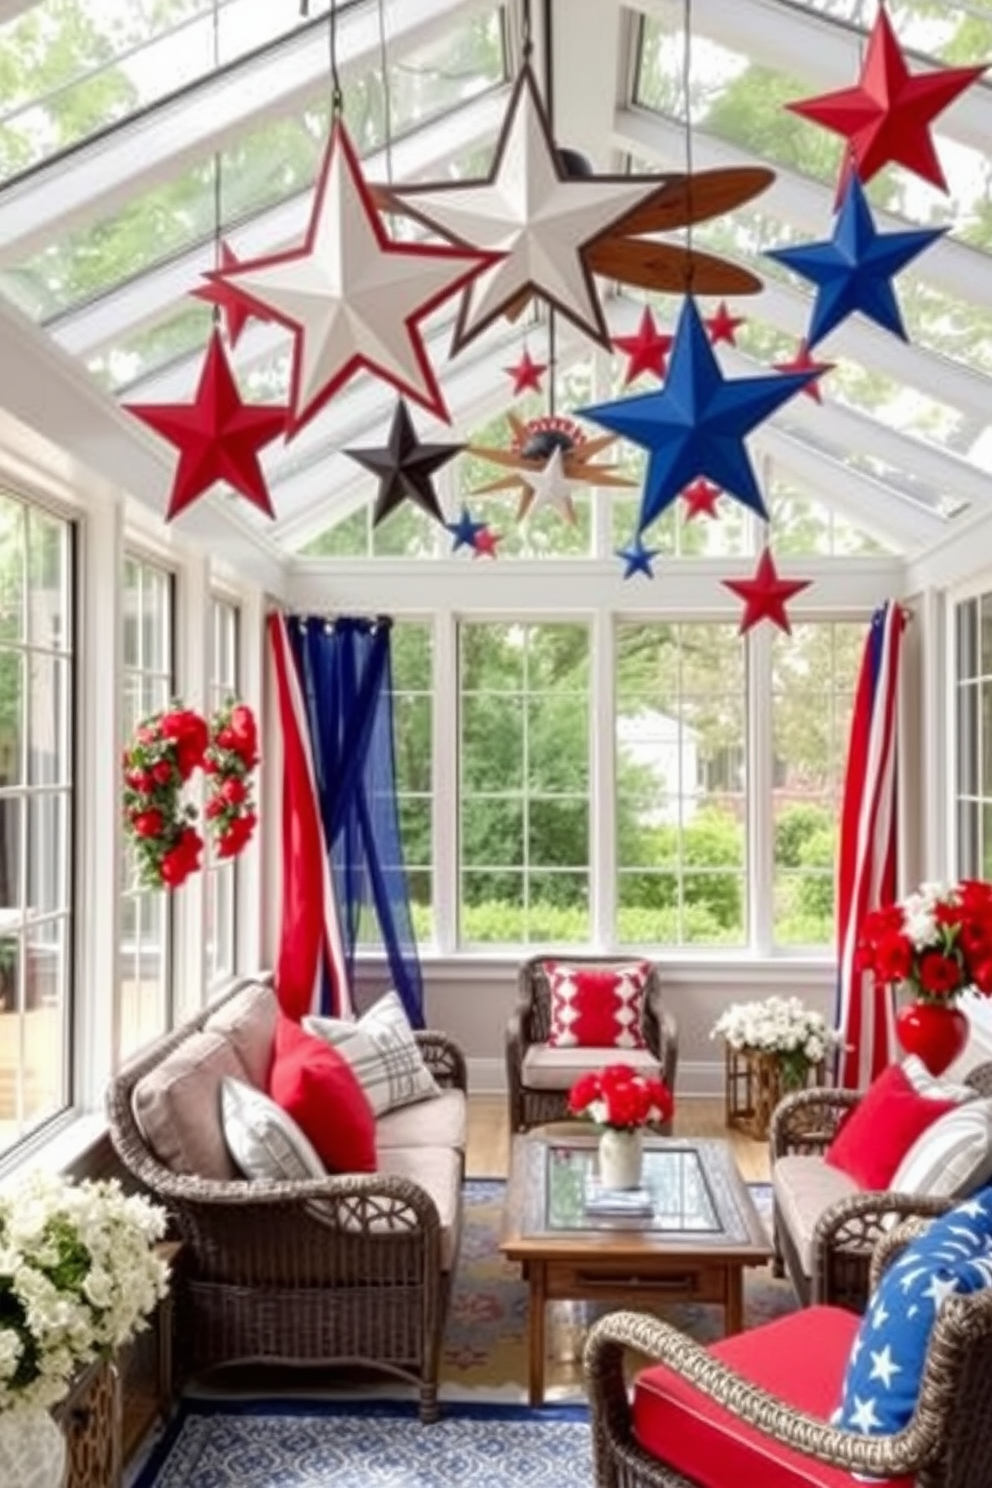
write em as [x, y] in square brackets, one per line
[32, 1450]
[621, 1157]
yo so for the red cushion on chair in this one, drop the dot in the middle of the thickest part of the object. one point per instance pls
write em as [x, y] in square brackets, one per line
[597, 1007]
[872, 1142]
[800, 1359]
[317, 1086]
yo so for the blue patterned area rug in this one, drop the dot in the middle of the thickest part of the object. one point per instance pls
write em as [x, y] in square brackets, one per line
[264, 1444]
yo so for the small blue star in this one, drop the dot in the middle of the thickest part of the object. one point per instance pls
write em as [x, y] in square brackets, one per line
[853, 271]
[464, 531]
[695, 425]
[638, 559]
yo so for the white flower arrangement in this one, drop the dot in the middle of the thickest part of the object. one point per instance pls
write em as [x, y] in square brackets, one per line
[783, 1026]
[79, 1276]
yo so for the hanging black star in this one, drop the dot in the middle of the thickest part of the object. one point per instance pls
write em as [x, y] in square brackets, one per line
[405, 467]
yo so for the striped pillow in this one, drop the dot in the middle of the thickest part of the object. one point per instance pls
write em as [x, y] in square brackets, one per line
[383, 1054]
[263, 1139]
[952, 1157]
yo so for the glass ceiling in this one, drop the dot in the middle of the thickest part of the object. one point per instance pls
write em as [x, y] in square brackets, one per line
[426, 88]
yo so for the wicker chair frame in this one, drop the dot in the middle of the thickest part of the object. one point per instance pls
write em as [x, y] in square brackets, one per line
[530, 1023]
[343, 1270]
[945, 1445]
[847, 1232]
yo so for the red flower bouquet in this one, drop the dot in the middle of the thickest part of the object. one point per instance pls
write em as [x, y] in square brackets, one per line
[938, 942]
[621, 1097]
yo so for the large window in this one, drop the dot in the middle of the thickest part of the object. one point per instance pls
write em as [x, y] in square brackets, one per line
[973, 771]
[813, 678]
[222, 874]
[525, 783]
[146, 918]
[36, 815]
[681, 817]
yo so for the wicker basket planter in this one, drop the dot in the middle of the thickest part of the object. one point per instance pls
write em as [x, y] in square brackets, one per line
[755, 1084]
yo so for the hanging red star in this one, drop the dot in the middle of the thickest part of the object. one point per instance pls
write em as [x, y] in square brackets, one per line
[353, 296]
[526, 374]
[700, 499]
[647, 350]
[233, 309]
[722, 326]
[804, 361]
[485, 543]
[217, 435]
[887, 116]
[765, 596]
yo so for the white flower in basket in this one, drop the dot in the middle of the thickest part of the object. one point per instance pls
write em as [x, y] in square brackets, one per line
[781, 1026]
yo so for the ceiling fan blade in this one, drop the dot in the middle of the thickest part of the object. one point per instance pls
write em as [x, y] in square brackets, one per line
[694, 198]
[669, 268]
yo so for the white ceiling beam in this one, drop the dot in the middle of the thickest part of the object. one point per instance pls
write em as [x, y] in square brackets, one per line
[823, 51]
[156, 145]
[587, 75]
[153, 296]
[954, 267]
[961, 557]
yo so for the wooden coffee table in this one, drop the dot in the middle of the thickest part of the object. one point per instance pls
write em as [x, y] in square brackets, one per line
[693, 1248]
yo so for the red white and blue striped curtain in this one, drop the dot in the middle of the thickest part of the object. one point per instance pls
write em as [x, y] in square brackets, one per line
[867, 856]
[311, 975]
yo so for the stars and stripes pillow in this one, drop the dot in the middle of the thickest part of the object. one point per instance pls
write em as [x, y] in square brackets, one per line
[953, 1258]
[597, 1007]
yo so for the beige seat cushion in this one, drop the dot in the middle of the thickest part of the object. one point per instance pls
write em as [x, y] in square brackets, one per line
[439, 1171]
[439, 1122]
[558, 1069]
[804, 1187]
[177, 1106]
[248, 1020]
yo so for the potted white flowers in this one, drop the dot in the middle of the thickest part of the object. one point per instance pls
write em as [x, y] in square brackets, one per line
[772, 1046]
[79, 1276]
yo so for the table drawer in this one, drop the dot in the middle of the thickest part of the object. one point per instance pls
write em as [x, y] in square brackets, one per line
[680, 1280]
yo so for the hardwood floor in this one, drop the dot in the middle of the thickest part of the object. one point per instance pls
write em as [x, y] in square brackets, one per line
[489, 1138]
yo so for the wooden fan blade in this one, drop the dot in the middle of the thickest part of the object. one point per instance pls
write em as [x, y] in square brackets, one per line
[694, 198]
[668, 267]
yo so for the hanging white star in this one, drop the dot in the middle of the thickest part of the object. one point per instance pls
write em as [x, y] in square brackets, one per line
[352, 296]
[529, 211]
[552, 488]
[883, 1366]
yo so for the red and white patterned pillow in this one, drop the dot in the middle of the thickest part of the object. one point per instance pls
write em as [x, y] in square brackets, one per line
[597, 1007]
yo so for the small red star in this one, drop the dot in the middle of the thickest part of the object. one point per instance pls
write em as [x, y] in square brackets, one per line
[526, 374]
[765, 595]
[804, 361]
[232, 306]
[888, 114]
[218, 437]
[722, 326]
[485, 543]
[700, 499]
[647, 350]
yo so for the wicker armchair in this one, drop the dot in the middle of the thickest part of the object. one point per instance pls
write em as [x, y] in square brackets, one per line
[846, 1231]
[947, 1444]
[531, 1022]
[342, 1270]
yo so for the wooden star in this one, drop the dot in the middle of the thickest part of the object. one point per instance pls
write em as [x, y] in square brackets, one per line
[527, 374]
[217, 435]
[647, 350]
[765, 595]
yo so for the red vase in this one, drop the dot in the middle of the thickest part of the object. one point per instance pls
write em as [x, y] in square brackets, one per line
[934, 1031]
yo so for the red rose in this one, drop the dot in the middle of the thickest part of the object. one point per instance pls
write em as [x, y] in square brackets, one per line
[893, 957]
[234, 791]
[162, 772]
[175, 868]
[227, 739]
[939, 974]
[148, 823]
[147, 734]
[981, 975]
[216, 806]
[242, 724]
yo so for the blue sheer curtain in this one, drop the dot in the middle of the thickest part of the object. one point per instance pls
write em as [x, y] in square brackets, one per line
[346, 678]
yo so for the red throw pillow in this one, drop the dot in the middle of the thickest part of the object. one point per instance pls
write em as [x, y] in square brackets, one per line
[318, 1088]
[885, 1123]
[597, 1007]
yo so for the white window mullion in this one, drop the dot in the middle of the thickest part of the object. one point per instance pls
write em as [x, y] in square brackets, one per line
[248, 887]
[602, 779]
[445, 783]
[191, 628]
[760, 792]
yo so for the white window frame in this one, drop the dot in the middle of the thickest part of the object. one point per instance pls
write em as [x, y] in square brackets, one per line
[223, 682]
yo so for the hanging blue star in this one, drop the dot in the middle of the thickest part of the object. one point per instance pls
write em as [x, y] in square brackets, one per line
[853, 271]
[695, 425]
[464, 531]
[638, 559]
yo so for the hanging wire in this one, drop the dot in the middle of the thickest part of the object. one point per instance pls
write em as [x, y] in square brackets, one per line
[387, 103]
[687, 114]
[337, 96]
[526, 34]
[218, 166]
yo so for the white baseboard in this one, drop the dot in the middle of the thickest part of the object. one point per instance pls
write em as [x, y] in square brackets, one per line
[696, 1077]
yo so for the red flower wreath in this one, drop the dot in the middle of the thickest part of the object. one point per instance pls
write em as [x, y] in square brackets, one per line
[167, 748]
[230, 758]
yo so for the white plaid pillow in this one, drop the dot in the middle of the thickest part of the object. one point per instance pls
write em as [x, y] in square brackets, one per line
[382, 1052]
[262, 1138]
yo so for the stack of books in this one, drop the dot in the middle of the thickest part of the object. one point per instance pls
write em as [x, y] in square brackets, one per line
[631, 1203]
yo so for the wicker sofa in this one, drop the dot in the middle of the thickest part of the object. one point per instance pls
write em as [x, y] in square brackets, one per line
[538, 1079]
[825, 1227]
[351, 1269]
